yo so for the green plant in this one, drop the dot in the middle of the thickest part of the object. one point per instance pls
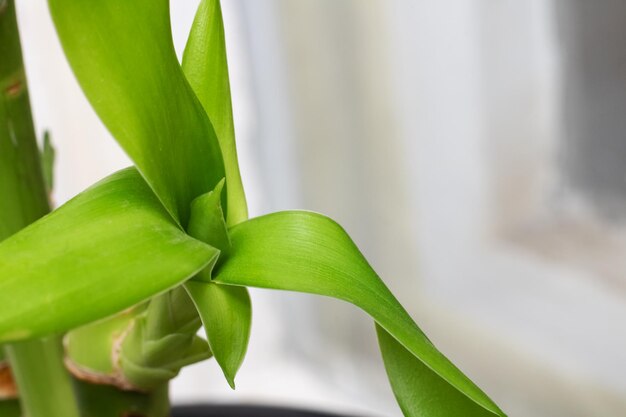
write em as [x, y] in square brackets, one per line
[131, 268]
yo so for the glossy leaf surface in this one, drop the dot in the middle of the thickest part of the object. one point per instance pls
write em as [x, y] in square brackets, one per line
[419, 391]
[308, 252]
[226, 314]
[123, 57]
[107, 249]
[207, 219]
[226, 311]
[206, 68]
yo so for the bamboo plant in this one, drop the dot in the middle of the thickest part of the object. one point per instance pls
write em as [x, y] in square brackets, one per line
[127, 272]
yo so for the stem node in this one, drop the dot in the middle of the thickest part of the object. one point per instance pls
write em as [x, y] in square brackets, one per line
[8, 390]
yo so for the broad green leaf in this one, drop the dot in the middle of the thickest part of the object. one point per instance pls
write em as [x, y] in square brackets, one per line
[226, 311]
[105, 250]
[308, 252]
[420, 391]
[123, 57]
[206, 68]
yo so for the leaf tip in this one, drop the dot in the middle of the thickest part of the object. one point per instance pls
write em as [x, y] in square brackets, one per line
[231, 380]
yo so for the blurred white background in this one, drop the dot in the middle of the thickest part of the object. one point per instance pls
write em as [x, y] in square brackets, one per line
[474, 149]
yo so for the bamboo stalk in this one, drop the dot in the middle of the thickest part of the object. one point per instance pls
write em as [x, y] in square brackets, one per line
[10, 408]
[106, 401]
[124, 363]
[43, 383]
[9, 405]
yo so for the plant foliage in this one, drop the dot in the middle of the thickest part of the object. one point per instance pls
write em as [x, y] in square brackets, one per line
[179, 220]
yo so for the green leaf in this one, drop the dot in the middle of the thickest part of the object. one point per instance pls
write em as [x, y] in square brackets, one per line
[206, 68]
[420, 392]
[308, 252]
[226, 311]
[105, 250]
[147, 362]
[207, 219]
[123, 57]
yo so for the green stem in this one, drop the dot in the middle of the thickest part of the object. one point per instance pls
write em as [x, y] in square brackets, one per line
[21, 179]
[106, 401]
[44, 385]
[10, 408]
[43, 382]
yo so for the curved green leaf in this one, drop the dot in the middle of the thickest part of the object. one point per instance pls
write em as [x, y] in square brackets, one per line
[420, 392]
[207, 219]
[226, 314]
[226, 311]
[308, 252]
[123, 57]
[206, 68]
[105, 250]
